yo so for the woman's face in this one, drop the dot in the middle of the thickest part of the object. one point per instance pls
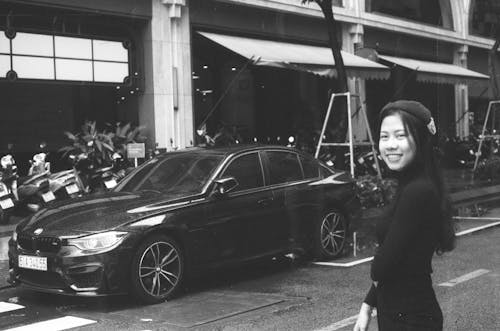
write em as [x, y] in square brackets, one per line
[396, 145]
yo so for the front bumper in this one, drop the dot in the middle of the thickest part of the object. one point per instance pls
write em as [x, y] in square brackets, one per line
[71, 273]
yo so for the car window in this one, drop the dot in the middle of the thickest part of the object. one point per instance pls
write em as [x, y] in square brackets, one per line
[310, 167]
[176, 173]
[283, 167]
[247, 171]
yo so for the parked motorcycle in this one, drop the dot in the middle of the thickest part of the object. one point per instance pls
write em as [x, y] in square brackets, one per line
[8, 187]
[97, 179]
[34, 190]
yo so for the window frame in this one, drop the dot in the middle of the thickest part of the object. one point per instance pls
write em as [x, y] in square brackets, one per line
[236, 157]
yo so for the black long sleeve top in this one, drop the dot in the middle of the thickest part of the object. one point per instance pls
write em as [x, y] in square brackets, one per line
[407, 240]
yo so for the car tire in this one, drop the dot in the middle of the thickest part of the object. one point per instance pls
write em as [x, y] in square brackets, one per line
[330, 235]
[157, 269]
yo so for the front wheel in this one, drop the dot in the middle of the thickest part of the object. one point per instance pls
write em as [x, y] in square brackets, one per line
[330, 235]
[157, 269]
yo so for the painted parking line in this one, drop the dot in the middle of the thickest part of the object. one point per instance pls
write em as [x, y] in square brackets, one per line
[4, 248]
[343, 323]
[57, 324]
[346, 264]
[464, 278]
[7, 306]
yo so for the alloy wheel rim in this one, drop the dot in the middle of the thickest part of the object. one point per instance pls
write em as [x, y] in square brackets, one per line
[159, 269]
[332, 233]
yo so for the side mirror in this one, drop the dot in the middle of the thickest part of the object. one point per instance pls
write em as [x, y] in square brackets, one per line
[224, 185]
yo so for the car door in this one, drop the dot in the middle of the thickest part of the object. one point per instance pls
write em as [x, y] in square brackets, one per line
[296, 198]
[232, 216]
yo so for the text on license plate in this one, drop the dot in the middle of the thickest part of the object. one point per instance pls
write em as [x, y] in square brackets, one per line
[6, 203]
[32, 262]
[110, 183]
[72, 188]
[49, 196]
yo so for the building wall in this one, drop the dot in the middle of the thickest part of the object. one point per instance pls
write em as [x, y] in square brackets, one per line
[139, 8]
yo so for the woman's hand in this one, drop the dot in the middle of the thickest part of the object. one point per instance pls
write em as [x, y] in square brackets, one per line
[364, 317]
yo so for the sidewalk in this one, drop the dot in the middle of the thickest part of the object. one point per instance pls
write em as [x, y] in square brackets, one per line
[463, 189]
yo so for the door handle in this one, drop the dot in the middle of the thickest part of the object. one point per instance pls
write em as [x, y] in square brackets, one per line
[265, 201]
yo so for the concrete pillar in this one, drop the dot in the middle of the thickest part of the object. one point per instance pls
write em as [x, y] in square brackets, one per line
[166, 107]
[353, 40]
[461, 94]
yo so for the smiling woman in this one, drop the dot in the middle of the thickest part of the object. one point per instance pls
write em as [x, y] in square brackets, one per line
[417, 225]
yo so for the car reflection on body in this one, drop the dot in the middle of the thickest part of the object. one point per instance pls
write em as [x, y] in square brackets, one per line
[182, 212]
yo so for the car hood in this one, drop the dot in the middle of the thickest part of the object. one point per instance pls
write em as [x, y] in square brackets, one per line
[97, 213]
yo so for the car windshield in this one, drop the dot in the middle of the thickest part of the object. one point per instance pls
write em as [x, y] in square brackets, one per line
[177, 173]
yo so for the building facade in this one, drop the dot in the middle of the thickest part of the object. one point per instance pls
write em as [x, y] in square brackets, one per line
[260, 67]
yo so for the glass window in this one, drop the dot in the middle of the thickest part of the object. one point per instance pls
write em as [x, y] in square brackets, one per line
[310, 167]
[32, 44]
[110, 51]
[79, 70]
[485, 16]
[30, 67]
[4, 65]
[77, 48]
[110, 72]
[283, 167]
[177, 173]
[4, 43]
[247, 171]
[433, 12]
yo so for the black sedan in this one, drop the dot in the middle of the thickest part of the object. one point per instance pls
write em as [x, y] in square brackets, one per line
[182, 212]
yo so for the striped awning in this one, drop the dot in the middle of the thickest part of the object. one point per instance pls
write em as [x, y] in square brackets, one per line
[314, 59]
[436, 72]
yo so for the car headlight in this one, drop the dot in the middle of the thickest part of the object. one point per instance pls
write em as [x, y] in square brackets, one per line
[14, 236]
[99, 241]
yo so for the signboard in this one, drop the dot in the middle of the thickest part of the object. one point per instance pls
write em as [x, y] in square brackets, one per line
[136, 151]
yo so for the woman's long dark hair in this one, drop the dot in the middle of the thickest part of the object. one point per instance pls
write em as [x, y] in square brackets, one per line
[427, 159]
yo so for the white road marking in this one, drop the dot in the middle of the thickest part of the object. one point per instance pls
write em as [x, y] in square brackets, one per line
[474, 218]
[57, 324]
[461, 233]
[4, 248]
[465, 277]
[343, 323]
[345, 265]
[7, 306]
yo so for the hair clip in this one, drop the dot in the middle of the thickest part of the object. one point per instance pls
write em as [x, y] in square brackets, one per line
[432, 126]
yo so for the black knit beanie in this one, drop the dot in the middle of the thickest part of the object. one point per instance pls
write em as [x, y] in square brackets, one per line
[416, 109]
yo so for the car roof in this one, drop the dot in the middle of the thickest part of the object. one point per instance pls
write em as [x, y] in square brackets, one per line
[232, 149]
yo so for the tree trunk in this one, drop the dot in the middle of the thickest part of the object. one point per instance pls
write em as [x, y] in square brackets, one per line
[493, 67]
[337, 129]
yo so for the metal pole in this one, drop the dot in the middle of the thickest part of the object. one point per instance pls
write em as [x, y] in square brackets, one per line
[351, 139]
[478, 153]
[320, 140]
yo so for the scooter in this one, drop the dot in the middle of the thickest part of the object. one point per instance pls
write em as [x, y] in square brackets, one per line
[34, 190]
[8, 187]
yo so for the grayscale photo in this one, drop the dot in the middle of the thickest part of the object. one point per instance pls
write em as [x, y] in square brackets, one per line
[250, 165]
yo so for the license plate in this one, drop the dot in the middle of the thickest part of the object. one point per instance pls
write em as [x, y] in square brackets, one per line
[110, 183]
[32, 262]
[6, 203]
[72, 188]
[49, 196]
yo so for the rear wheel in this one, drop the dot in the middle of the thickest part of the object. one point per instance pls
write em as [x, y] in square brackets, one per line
[330, 235]
[157, 269]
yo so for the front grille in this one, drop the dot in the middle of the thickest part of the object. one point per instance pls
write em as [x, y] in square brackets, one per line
[43, 244]
[44, 279]
[89, 279]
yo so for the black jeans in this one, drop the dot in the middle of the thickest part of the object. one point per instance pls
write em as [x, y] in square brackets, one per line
[428, 321]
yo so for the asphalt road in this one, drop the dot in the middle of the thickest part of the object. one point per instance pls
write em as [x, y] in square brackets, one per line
[275, 295]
